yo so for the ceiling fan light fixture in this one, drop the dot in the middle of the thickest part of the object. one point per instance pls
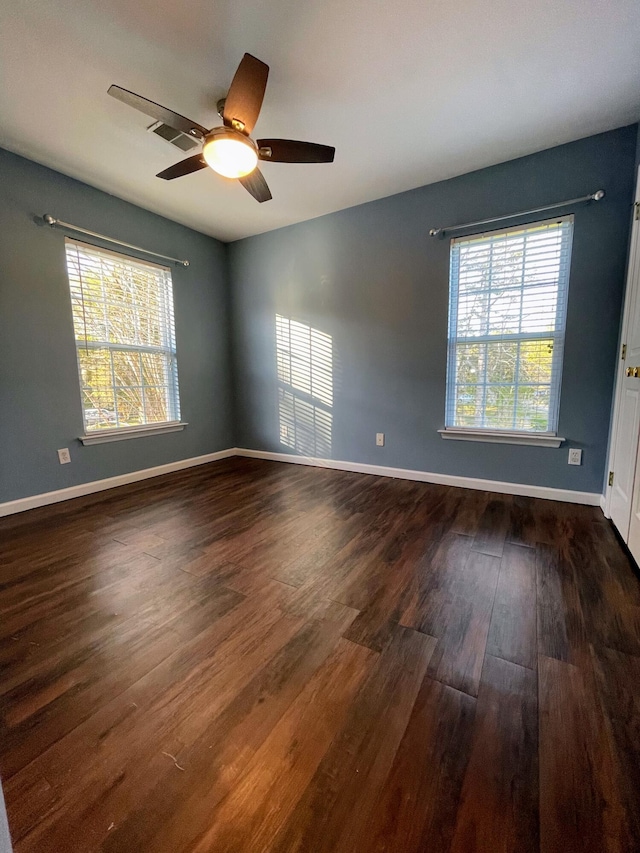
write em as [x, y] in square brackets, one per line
[229, 149]
[230, 153]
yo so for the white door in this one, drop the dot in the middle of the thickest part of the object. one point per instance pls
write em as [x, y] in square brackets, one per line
[633, 541]
[624, 495]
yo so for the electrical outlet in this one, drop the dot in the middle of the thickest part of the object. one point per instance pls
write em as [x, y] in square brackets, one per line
[575, 456]
[380, 439]
[64, 456]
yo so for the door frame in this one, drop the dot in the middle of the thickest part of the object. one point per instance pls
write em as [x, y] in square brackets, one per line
[632, 266]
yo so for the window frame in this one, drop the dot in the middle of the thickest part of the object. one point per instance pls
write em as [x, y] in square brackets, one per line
[549, 437]
[168, 349]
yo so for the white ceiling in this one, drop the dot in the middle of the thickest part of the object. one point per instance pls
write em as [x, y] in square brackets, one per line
[409, 91]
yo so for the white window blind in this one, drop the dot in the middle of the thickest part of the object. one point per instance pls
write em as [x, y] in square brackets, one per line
[507, 315]
[125, 339]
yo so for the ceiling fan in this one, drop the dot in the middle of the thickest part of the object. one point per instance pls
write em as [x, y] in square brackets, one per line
[229, 149]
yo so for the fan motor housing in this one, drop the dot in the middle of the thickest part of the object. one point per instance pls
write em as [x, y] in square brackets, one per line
[229, 133]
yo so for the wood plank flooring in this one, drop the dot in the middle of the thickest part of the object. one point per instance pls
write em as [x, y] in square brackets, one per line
[261, 657]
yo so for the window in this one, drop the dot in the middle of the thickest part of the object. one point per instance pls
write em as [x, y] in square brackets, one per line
[125, 340]
[507, 313]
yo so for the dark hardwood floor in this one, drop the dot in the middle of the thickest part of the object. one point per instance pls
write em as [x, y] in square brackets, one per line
[254, 656]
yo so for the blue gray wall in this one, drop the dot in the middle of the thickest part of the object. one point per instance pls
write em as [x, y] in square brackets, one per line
[40, 407]
[369, 277]
[372, 279]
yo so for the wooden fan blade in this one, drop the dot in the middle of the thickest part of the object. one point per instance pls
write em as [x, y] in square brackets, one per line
[291, 151]
[184, 167]
[246, 93]
[160, 113]
[256, 185]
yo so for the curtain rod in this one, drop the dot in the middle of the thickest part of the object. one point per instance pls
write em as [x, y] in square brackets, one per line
[596, 196]
[58, 223]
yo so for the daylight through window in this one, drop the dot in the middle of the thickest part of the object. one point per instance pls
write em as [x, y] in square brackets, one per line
[125, 339]
[304, 360]
[507, 313]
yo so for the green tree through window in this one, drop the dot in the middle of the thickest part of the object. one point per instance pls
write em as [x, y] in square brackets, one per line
[125, 339]
[507, 311]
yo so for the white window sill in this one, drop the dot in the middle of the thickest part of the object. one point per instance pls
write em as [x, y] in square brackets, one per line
[543, 439]
[103, 436]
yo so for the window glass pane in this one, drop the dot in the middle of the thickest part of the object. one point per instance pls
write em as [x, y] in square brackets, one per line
[499, 406]
[123, 320]
[154, 368]
[155, 405]
[90, 319]
[539, 308]
[507, 312]
[502, 358]
[532, 410]
[470, 362]
[98, 396]
[129, 407]
[535, 361]
[507, 261]
[475, 265]
[504, 312]
[473, 314]
[126, 367]
[469, 405]
[539, 415]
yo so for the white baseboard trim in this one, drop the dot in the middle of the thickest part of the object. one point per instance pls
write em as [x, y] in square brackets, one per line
[22, 504]
[567, 495]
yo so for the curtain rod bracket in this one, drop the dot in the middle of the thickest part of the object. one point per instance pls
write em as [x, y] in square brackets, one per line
[596, 196]
[52, 222]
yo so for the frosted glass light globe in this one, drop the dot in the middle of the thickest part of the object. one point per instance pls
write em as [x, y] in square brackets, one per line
[229, 154]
